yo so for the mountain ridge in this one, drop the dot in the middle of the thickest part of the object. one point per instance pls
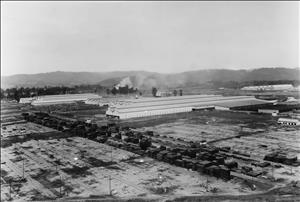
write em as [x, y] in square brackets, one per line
[145, 79]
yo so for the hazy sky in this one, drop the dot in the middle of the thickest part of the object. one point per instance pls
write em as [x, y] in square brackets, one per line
[155, 36]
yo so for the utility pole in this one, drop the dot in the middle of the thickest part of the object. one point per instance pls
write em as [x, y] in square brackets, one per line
[9, 189]
[109, 184]
[273, 172]
[206, 183]
[109, 177]
[111, 154]
[23, 167]
[60, 188]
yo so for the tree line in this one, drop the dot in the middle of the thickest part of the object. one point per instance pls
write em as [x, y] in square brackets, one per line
[175, 92]
[17, 93]
[241, 84]
[122, 90]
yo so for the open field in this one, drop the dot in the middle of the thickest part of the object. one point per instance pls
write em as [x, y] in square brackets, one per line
[204, 121]
[240, 133]
[219, 126]
[274, 139]
[204, 117]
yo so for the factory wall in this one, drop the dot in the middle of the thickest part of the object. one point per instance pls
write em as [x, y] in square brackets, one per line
[62, 99]
[148, 107]
[153, 113]
[222, 108]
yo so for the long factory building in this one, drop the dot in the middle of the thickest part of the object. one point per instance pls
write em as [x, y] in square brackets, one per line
[169, 105]
[58, 99]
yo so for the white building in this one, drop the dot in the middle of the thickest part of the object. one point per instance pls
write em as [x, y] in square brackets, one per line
[288, 121]
[26, 100]
[274, 112]
[93, 101]
[62, 99]
[222, 108]
[163, 94]
[177, 104]
[270, 87]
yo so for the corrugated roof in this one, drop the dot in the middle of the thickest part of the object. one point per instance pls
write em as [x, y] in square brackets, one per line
[232, 101]
[240, 103]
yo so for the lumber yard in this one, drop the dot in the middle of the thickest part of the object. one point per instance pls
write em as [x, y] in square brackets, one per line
[66, 151]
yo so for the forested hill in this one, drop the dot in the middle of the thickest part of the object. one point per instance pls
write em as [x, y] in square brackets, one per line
[143, 79]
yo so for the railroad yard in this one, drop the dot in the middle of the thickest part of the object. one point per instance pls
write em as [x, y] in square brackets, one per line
[202, 153]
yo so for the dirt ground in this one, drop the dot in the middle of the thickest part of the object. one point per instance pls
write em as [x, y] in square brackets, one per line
[88, 175]
[262, 136]
[211, 125]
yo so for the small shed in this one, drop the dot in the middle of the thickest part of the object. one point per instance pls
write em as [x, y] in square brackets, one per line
[274, 112]
[287, 121]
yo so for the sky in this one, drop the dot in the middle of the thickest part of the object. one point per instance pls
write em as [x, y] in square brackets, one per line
[165, 37]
